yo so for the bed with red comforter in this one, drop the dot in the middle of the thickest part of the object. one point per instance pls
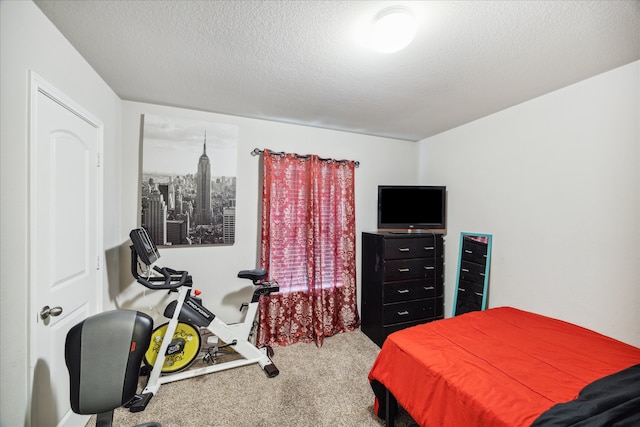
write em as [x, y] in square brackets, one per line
[498, 367]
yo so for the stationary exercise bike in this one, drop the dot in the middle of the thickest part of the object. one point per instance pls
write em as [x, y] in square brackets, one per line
[176, 344]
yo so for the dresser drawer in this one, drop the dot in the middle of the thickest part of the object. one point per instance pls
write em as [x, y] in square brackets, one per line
[411, 268]
[472, 272]
[410, 290]
[408, 311]
[389, 329]
[471, 288]
[474, 251]
[412, 248]
[468, 300]
[439, 308]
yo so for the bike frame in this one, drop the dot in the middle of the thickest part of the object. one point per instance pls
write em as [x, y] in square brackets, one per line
[227, 333]
[236, 335]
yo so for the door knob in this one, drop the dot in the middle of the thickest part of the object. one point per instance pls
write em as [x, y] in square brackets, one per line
[48, 311]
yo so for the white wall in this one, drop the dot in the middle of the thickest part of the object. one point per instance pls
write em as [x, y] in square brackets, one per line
[556, 181]
[382, 161]
[28, 41]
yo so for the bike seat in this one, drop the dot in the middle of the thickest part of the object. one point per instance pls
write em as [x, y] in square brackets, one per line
[255, 274]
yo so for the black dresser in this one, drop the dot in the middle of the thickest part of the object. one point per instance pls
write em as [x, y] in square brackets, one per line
[402, 281]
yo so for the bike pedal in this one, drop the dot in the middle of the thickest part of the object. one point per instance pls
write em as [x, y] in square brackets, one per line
[145, 371]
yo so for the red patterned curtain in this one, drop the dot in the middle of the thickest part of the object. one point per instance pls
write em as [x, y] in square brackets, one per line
[308, 245]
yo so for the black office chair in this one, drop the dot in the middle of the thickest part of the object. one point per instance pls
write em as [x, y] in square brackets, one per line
[103, 355]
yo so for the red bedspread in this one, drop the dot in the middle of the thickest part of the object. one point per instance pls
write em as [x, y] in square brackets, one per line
[499, 367]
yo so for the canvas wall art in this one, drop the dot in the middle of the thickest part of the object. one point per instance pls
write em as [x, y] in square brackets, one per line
[189, 171]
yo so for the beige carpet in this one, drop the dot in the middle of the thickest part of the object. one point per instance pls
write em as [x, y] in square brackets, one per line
[324, 386]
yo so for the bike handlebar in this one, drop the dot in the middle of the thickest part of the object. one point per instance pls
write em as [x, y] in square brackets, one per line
[170, 279]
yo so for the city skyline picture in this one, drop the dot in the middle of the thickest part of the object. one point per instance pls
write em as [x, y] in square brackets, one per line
[188, 188]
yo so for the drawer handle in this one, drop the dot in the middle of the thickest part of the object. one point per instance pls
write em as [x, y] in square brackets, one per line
[403, 249]
[429, 248]
[466, 270]
[428, 288]
[403, 291]
[403, 313]
[462, 289]
[427, 267]
[468, 251]
[403, 270]
[478, 293]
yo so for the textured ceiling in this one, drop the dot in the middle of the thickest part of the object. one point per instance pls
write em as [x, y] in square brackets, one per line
[301, 62]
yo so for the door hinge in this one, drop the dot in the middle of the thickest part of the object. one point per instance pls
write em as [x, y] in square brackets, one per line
[99, 160]
[98, 262]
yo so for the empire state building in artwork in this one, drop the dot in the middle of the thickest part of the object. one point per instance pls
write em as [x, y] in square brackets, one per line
[203, 189]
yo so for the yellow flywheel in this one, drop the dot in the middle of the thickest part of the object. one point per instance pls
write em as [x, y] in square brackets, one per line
[183, 349]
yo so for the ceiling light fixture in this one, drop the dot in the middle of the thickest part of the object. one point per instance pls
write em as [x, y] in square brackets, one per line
[392, 29]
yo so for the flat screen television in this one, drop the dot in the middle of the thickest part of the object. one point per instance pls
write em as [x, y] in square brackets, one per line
[412, 207]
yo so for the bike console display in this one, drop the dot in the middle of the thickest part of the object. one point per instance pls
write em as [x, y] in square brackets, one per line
[144, 250]
[144, 246]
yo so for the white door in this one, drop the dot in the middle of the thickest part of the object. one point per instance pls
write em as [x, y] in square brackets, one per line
[65, 242]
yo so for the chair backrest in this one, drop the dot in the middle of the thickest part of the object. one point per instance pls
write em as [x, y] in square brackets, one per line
[103, 355]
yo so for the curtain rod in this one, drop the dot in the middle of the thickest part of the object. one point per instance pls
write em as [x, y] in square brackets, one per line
[257, 152]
